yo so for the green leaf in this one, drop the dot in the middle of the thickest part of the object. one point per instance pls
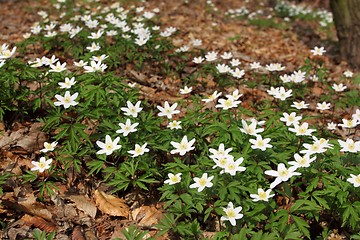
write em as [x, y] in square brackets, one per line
[292, 233]
[141, 185]
[302, 205]
[95, 166]
[187, 199]
[302, 225]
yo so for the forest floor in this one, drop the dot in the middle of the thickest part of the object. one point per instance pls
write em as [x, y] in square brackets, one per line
[247, 42]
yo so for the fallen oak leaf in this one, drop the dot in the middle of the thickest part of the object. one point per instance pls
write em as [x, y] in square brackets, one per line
[28, 138]
[89, 233]
[147, 216]
[31, 206]
[84, 205]
[28, 205]
[39, 222]
[77, 234]
[111, 205]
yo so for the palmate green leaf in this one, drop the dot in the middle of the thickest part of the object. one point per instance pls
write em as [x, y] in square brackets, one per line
[47, 187]
[241, 235]
[302, 225]
[221, 236]
[95, 166]
[133, 233]
[77, 164]
[350, 216]
[219, 127]
[30, 176]
[109, 172]
[322, 202]
[64, 129]
[129, 168]
[184, 228]
[79, 129]
[141, 185]
[355, 236]
[292, 233]
[256, 235]
[312, 185]
[263, 236]
[302, 205]
[36, 103]
[208, 211]
[258, 208]
[278, 219]
[144, 179]
[342, 196]
[119, 182]
[187, 199]
[74, 138]
[166, 224]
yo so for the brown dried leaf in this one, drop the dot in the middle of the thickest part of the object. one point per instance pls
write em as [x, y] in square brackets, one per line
[317, 91]
[147, 215]
[39, 222]
[111, 205]
[28, 138]
[208, 235]
[77, 234]
[31, 206]
[84, 205]
[89, 234]
[18, 230]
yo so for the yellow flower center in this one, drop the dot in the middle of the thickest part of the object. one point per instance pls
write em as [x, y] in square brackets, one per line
[7, 54]
[183, 146]
[175, 179]
[231, 166]
[314, 147]
[283, 173]
[250, 130]
[357, 179]
[302, 130]
[261, 143]
[222, 161]
[262, 195]
[228, 103]
[67, 99]
[351, 146]
[202, 182]
[138, 150]
[302, 161]
[230, 213]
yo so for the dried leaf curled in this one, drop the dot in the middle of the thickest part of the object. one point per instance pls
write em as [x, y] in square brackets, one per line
[111, 205]
[84, 205]
[147, 215]
[77, 234]
[39, 222]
